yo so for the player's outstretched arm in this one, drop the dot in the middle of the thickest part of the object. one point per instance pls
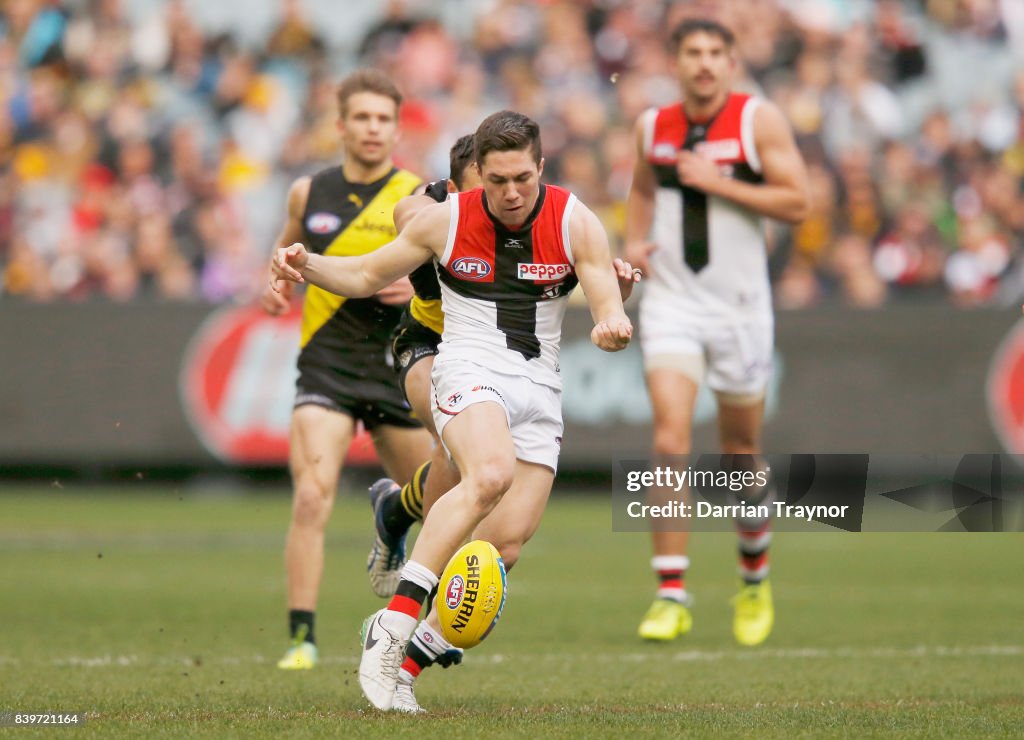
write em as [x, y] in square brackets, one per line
[362, 276]
[276, 296]
[401, 291]
[785, 193]
[589, 243]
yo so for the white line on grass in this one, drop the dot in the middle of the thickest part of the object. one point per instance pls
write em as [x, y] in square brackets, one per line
[682, 656]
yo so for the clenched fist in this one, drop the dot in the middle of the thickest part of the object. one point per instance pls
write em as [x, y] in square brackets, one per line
[612, 335]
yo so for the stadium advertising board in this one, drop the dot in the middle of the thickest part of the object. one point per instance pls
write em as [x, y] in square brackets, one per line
[167, 384]
[1006, 390]
[237, 386]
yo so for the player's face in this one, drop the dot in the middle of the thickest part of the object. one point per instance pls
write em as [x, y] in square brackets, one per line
[705, 65]
[511, 181]
[369, 128]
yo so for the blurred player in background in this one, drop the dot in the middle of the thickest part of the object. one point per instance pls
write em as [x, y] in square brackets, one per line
[509, 255]
[708, 170]
[413, 347]
[343, 373]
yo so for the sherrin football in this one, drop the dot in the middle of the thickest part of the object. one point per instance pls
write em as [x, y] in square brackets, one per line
[471, 594]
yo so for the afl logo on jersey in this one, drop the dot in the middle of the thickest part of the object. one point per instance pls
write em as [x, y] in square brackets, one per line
[322, 223]
[471, 268]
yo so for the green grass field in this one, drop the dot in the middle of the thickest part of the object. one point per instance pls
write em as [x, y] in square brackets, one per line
[160, 612]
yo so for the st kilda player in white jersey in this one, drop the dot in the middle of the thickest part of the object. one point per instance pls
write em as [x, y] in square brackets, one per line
[709, 169]
[711, 257]
[496, 383]
[517, 281]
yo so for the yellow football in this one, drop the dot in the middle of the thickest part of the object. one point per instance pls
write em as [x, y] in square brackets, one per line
[471, 594]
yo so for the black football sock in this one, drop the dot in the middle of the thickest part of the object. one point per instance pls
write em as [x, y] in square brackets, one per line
[400, 509]
[300, 625]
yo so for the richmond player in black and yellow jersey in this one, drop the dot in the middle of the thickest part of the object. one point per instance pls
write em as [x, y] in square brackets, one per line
[344, 373]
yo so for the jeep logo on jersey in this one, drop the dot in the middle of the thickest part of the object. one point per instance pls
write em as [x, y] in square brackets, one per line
[471, 268]
[542, 273]
[323, 223]
[453, 594]
[237, 386]
[1005, 390]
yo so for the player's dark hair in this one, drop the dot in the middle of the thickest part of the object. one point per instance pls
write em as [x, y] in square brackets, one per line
[367, 80]
[691, 26]
[507, 131]
[460, 157]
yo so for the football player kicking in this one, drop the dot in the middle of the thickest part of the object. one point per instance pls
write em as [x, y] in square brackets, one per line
[509, 254]
[414, 347]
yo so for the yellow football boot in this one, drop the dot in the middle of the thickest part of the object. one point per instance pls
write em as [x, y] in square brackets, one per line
[754, 614]
[665, 620]
[302, 655]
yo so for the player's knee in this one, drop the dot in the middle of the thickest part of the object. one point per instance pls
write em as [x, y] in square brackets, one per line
[668, 441]
[312, 503]
[488, 484]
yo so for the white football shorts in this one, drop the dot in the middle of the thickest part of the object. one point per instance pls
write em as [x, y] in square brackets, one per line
[534, 411]
[734, 353]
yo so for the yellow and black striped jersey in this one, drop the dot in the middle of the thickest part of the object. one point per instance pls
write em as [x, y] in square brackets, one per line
[348, 337]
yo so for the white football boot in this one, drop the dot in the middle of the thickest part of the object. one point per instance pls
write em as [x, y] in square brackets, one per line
[405, 699]
[383, 652]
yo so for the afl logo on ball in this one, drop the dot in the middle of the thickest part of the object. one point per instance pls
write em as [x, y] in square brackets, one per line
[453, 594]
[471, 268]
[1006, 390]
[322, 223]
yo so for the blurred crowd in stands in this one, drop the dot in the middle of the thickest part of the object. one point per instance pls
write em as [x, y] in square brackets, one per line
[151, 158]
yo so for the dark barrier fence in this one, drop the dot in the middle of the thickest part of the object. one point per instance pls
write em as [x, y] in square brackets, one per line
[179, 385]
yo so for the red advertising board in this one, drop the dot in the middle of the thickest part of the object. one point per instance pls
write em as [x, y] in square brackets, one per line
[237, 385]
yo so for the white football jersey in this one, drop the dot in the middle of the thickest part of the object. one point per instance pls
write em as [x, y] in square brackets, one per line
[505, 292]
[711, 259]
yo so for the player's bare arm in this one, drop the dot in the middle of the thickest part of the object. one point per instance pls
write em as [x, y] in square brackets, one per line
[400, 292]
[640, 209]
[276, 296]
[397, 294]
[361, 276]
[784, 195]
[612, 328]
[409, 206]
